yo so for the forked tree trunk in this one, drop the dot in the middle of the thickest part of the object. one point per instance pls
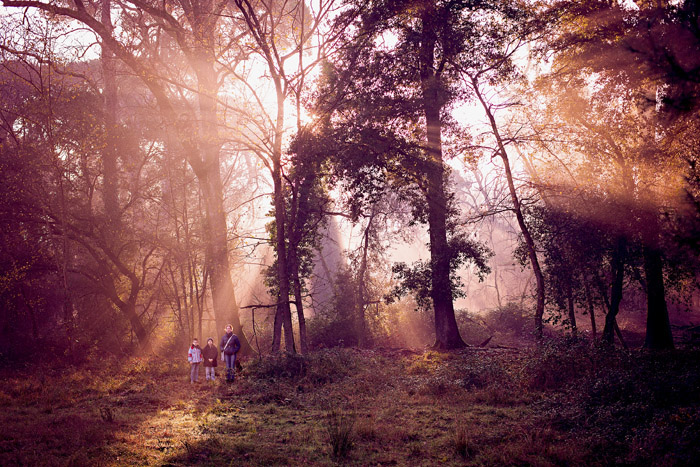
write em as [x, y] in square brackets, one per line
[283, 314]
[618, 271]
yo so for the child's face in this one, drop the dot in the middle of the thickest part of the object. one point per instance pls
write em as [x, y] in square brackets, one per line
[210, 342]
[195, 342]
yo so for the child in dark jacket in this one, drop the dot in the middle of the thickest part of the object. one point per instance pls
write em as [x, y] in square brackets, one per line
[194, 356]
[210, 353]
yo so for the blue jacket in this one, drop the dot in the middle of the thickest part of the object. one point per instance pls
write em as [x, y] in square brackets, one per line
[234, 345]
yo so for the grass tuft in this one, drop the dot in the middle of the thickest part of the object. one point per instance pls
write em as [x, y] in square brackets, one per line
[339, 427]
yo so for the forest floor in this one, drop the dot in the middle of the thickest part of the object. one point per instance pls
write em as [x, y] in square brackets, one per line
[565, 404]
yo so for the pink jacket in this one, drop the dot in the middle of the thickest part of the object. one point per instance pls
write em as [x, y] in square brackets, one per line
[194, 355]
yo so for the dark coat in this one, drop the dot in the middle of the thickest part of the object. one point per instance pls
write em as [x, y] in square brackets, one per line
[210, 352]
[234, 345]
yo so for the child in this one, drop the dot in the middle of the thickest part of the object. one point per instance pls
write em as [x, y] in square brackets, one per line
[194, 356]
[210, 353]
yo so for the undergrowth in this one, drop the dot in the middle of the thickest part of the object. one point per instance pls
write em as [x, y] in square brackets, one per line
[566, 402]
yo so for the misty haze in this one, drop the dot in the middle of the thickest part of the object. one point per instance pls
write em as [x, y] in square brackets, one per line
[349, 232]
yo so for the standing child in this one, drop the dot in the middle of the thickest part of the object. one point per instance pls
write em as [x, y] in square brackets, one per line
[210, 354]
[194, 356]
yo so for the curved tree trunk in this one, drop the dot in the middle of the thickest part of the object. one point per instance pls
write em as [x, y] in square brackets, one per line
[529, 242]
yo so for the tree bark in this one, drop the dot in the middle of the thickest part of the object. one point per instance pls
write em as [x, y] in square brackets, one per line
[226, 309]
[283, 314]
[658, 332]
[446, 330]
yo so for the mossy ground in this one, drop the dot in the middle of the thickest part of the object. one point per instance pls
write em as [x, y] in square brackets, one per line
[348, 407]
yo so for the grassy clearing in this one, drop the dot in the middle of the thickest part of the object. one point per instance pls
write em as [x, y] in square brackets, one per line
[351, 407]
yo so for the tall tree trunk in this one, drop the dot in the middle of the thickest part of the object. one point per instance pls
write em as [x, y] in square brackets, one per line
[446, 330]
[283, 314]
[226, 309]
[618, 274]
[110, 150]
[658, 333]
[299, 305]
[207, 167]
[529, 242]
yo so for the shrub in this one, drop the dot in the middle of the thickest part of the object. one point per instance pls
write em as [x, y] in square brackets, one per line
[558, 362]
[319, 367]
[331, 331]
[511, 318]
[283, 365]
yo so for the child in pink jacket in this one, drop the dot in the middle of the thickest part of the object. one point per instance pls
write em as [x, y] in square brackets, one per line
[194, 356]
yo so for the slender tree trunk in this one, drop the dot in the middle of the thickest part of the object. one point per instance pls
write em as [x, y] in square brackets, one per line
[591, 307]
[297, 226]
[529, 242]
[299, 304]
[361, 320]
[297, 285]
[571, 308]
[495, 282]
[658, 333]
[618, 271]
[446, 330]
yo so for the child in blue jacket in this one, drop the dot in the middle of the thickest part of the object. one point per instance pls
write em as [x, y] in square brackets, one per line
[194, 356]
